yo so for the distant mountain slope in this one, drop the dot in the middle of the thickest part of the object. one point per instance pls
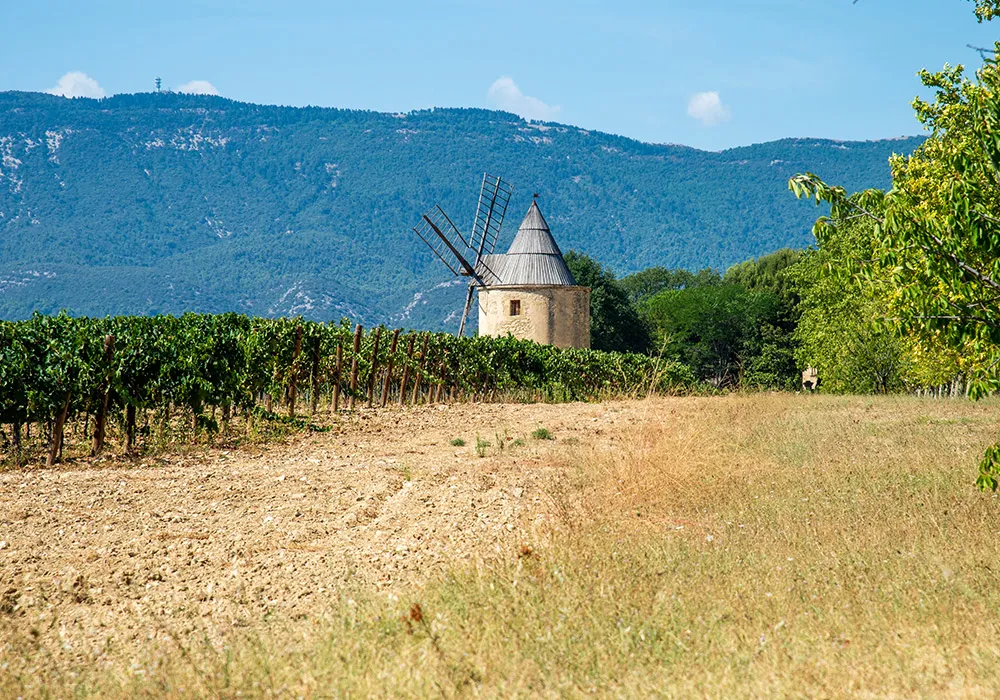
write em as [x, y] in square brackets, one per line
[164, 202]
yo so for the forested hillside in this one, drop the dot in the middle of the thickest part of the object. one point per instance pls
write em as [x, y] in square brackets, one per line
[163, 203]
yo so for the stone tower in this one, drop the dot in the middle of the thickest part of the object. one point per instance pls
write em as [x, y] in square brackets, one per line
[530, 293]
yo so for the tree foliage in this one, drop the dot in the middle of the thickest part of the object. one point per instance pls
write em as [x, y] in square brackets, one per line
[937, 234]
[651, 281]
[845, 328]
[768, 273]
[937, 229]
[615, 324]
[840, 330]
[711, 327]
[987, 9]
[733, 330]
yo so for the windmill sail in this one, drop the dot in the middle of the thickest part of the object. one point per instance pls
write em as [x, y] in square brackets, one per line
[443, 237]
[468, 257]
[493, 199]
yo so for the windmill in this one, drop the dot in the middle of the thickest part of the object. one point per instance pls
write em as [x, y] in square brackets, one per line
[466, 257]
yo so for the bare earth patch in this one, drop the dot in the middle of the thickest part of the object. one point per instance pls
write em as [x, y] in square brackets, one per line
[100, 557]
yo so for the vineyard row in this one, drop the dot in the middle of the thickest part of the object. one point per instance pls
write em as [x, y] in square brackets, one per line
[54, 369]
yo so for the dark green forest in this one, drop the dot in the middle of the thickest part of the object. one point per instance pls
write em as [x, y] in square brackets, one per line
[167, 203]
[737, 330]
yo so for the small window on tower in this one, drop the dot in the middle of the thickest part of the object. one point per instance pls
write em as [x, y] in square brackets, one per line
[515, 307]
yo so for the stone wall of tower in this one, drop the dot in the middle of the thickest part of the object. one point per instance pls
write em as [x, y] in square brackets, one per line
[557, 315]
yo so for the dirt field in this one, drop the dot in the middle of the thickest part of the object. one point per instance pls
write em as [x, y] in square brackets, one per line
[770, 545]
[104, 556]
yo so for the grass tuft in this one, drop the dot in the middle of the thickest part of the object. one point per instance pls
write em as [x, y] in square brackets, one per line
[481, 446]
[542, 434]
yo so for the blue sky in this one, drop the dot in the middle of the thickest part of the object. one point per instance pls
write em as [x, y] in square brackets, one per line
[710, 74]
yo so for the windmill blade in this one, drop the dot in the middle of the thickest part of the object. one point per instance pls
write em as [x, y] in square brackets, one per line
[493, 200]
[465, 311]
[489, 273]
[445, 240]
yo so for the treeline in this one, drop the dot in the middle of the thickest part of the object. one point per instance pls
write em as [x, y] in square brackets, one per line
[899, 293]
[759, 324]
[144, 370]
[735, 330]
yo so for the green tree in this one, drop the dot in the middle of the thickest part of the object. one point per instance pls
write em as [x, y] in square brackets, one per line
[615, 325]
[720, 331]
[767, 273]
[646, 283]
[938, 240]
[771, 362]
[840, 314]
[938, 229]
[844, 328]
[987, 9]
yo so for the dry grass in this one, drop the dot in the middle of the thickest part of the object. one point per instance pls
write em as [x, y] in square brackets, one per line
[740, 546]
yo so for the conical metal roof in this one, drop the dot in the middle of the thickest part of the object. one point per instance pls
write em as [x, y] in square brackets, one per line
[533, 258]
[534, 236]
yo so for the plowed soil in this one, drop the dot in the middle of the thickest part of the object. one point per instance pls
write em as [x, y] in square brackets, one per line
[98, 554]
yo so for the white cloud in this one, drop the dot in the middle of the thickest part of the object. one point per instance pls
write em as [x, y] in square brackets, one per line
[505, 94]
[707, 108]
[198, 87]
[77, 84]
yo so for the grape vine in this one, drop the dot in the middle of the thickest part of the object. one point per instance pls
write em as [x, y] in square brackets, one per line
[55, 369]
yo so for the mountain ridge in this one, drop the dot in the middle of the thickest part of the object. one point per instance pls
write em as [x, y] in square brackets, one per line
[110, 100]
[160, 203]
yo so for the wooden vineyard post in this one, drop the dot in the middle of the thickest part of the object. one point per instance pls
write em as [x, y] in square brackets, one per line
[432, 385]
[420, 369]
[314, 389]
[164, 420]
[388, 369]
[439, 389]
[439, 394]
[295, 371]
[354, 367]
[101, 421]
[129, 428]
[406, 370]
[16, 443]
[55, 439]
[336, 377]
[374, 367]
